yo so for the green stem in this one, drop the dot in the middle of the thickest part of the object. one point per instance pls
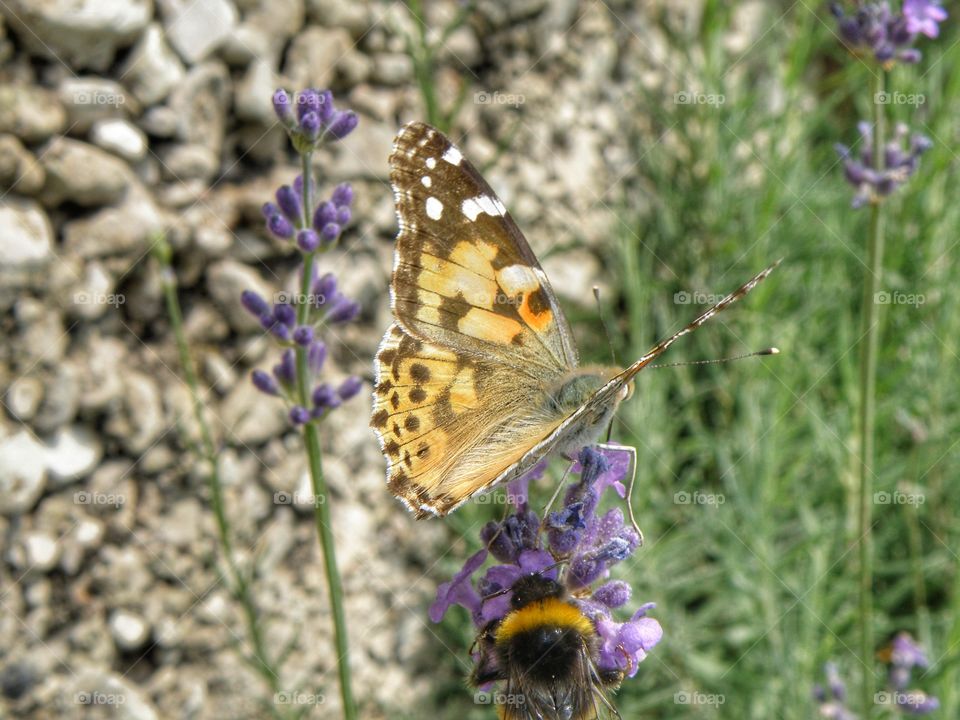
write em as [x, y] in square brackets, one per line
[870, 337]
[240, 587]
[311, 436]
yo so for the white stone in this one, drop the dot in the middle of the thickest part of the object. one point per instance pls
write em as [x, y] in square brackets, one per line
[26, 237]
[23, 475]
[153, 69]
[120, 137]
[130, 631]
[196, 28]
[24, 396]
[72, 453]
[41, 551]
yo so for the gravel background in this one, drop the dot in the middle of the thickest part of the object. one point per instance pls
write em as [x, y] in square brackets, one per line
[122, 117]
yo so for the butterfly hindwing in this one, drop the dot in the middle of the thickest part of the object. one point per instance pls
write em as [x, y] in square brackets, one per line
[446, 423]
[464, 276]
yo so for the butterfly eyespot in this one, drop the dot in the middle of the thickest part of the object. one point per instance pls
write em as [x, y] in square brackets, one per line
[412, 423]
[418, 395]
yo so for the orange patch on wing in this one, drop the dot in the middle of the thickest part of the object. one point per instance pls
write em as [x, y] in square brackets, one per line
[450, 279]
[539, 321]
[489, 326]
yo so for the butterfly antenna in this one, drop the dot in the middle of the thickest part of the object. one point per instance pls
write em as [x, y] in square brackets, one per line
[758, 353]
[603, 324]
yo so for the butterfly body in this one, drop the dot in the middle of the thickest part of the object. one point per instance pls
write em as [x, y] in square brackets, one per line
[478, 378]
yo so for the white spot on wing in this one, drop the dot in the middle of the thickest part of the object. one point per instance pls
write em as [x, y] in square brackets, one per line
[427, 182]
[434, 208]
[452, 156]
[431, 163]
[472, 207]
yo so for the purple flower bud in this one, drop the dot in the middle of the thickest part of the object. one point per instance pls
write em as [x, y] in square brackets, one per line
[283, 107]
[919, 144]
[310, 126]
[316, 354]
[342, 195]
[308, 240]
[280, 226]
[280, 331]
[349, 387]
[613, 594]
[325, 213]
[910, 56]
[325, 287]
[343, 216]
[342, 124]
[303, 335]
[253, 303]
[299, 415]
[286, 371]
[269, 209]
[264, 383]
[330, 232]
[498, 542]
[325, 396]
[307, 102]
[285, 314]
[289, 202]
[298, 186]
[325, 107]
[344, 310]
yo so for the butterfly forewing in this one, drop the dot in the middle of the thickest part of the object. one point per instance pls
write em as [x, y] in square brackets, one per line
[464, 275]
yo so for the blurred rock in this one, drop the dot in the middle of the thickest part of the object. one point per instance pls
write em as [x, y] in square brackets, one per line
[43, 338]
[119, 137]
[31, 113]
[392, 68]
[226, 280]
[112, 691]
[23, 397]
[253, 94]
[313, 56]
[250, 417]
[19, 170]
[80, 33]
[23, 475]
[160, 121]
[72, 453]
[123, 228]
[129, 631]
[152, 69]
[140, 421]
[195, 28]
[364, 153]
[200, 104]
[355, 17]
[93, 294]
[61, 399]
[26, 242]
[88, 99]
[185, 162]
[38, 552]
[81, 173]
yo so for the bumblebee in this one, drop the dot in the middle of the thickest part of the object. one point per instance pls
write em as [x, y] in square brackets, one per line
[544, 650]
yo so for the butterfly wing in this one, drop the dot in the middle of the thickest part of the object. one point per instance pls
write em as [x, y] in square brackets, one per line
[478, 336]
[464, 276]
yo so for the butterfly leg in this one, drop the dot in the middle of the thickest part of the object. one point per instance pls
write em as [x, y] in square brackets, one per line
[556, 494]
[632, 451]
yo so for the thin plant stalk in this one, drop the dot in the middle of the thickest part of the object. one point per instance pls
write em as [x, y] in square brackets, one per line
[311, 436]
[239, 583]
[870, 337]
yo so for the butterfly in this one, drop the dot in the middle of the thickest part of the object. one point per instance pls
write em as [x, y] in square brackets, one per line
[478, 378]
